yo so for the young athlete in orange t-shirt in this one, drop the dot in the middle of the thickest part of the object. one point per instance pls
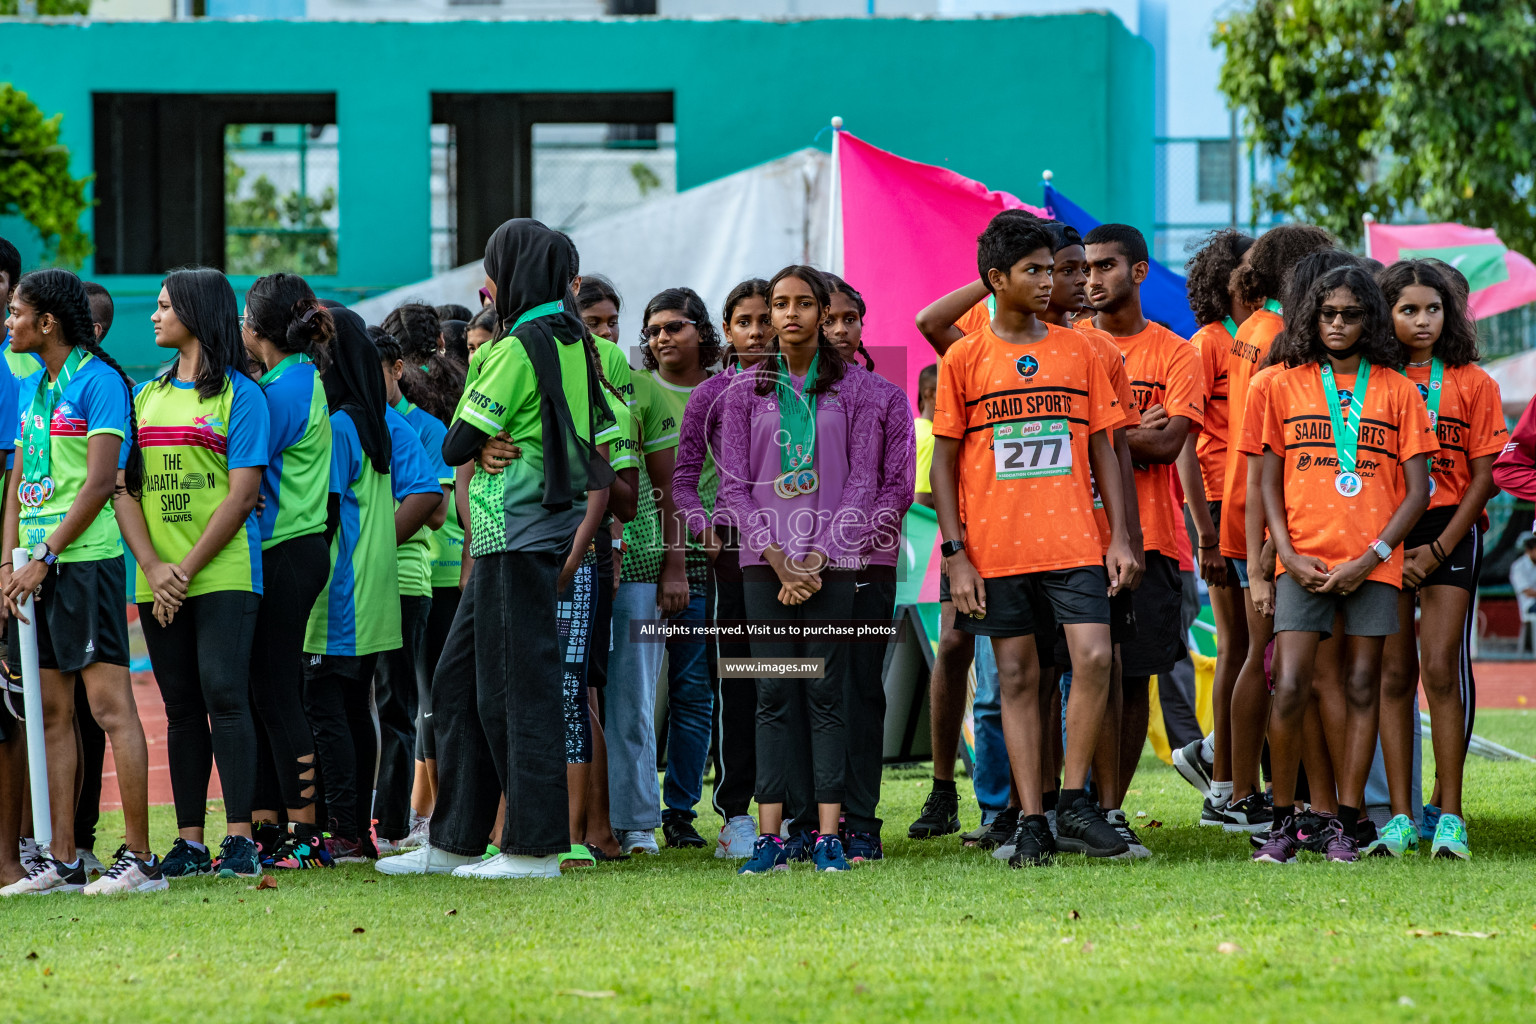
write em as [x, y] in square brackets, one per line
[1344, 480]
[1207, 764]
[1165, 376]
[1023, 411]
[1442, 554]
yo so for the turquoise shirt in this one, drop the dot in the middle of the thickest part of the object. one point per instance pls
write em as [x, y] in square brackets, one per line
[298, 472]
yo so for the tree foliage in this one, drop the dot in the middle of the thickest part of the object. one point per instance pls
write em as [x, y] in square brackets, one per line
[47, 8]
[267, 231]
[35, 182]
[1391, 107]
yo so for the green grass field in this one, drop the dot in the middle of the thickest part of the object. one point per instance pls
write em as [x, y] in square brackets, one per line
[935, 932]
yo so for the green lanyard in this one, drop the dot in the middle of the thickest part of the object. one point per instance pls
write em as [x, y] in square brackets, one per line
[270, 377]
[1230, 325]
[1346, 427]
[37, 455]
[1273, 305]
[797, 423]
[1432, 399]
[991, 305]
[543, 309]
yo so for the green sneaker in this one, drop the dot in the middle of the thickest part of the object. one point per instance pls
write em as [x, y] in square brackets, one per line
[1396, 838]
[1451, 838]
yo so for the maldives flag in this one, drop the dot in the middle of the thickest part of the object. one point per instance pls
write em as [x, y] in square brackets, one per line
[908, 236]
[1499, 278]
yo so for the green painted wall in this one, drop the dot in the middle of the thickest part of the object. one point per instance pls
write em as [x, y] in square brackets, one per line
[966, 94]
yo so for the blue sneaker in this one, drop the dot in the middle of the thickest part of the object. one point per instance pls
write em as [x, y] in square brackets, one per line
[767, 856]
[1431, 822]
[797, 848]
[828, 854]
[186, 860]
[239, 857]
[863, 847]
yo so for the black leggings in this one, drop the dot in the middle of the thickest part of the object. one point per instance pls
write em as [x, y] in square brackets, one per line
[396, 693]
[445, 602]
[338, 697]
[93, 753]
[202, 662]
[293, 574]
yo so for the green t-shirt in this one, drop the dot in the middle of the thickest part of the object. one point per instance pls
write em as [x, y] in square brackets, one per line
[658, 406]
[622, 440]
[615, 367]
[414, 557]
[447, 548]
[94, 400]
[506, 509]
[299, 466]
[189, 446]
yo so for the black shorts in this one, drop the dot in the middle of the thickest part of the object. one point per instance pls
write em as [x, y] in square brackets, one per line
[1462, 564]
[82, 616]
[1122, 627]
[1215, 507]
[1158, 643]
[1035, 602]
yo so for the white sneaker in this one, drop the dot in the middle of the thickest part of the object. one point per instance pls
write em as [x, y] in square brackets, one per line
[47, 877]
[93, 867]
[421, 832]
[638, 840]
[129, 874]
[1122, 827]
[33, 853]
[736, 838]
[511, 865]
[426, 861]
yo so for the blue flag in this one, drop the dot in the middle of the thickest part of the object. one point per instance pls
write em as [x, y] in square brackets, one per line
[1163, 294]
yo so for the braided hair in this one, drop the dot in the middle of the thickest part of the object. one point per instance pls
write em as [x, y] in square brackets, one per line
[62, 295]
[417, 328]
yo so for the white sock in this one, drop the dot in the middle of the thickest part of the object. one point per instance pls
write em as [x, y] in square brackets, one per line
[1114, 814]
[196, 846]
[1208, 747]
[1221, 793]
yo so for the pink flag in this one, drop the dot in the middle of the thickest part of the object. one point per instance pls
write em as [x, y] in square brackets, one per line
[909, 236]
[1499, 278]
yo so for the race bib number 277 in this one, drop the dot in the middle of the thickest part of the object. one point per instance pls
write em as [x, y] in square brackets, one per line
[1032, 448]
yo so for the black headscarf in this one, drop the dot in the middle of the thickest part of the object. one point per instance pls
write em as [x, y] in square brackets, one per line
[355, 382]
[532, 265]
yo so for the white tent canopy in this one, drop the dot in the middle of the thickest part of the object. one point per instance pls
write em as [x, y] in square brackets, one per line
[708, 238]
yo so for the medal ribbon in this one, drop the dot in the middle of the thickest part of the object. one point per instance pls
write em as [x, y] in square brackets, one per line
[1273, 305]
[1230, 325]
[1346, 428]
[1432, 400]
[37, 438]
[797, 419]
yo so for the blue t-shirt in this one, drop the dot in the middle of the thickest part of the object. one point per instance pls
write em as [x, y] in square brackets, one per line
[415, 555]
[298, 469]
[10, 388]
[21, 364]
[410, 471]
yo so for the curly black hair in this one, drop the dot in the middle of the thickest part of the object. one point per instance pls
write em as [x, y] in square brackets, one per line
[687, 300]
[1209, 274]
[1308, 269]
[1378, 342]
[1457, 344]
[417, 328]
[1272, 258]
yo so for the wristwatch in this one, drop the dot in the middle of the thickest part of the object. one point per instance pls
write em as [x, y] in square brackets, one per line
[1383, 551]
[951, 547]
[43, 553]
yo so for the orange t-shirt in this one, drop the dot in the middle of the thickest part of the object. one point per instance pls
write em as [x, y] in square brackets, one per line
[975, 318]
[1249, 441]
[1114, 365]
[1023, 414]
[1244, 355]
[1215, 346]
[1164, 369]
[1393, 429]
[1470, 426]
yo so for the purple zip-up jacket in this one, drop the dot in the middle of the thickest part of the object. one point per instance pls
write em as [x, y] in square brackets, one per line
[699, 437]
[834, 519]
[885, 409]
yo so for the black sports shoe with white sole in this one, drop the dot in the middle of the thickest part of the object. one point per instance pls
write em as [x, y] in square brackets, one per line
[1081, 828]
[940, 817]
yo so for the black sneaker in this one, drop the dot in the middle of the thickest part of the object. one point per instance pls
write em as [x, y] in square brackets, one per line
[1252, 813]
[1189, 760]
[799, 847]
[1080, 828]
[1032, 843]
[269, 836]
[186, 860]
[1003, 826]
[1312, 830]
[862, 847]
[679, 832]
[238, 858]
[940, 817]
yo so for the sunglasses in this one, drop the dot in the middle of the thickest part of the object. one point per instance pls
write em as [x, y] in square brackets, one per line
[1349, 314]
[655, 331]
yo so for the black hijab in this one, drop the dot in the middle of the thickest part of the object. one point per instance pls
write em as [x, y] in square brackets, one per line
[531, 266]
[355, 382]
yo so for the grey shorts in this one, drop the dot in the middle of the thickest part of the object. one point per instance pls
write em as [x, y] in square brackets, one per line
[1369, 611]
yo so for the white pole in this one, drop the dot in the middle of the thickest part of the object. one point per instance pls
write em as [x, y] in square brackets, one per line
[32, 704]
[1369, 219]
[835, 202]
